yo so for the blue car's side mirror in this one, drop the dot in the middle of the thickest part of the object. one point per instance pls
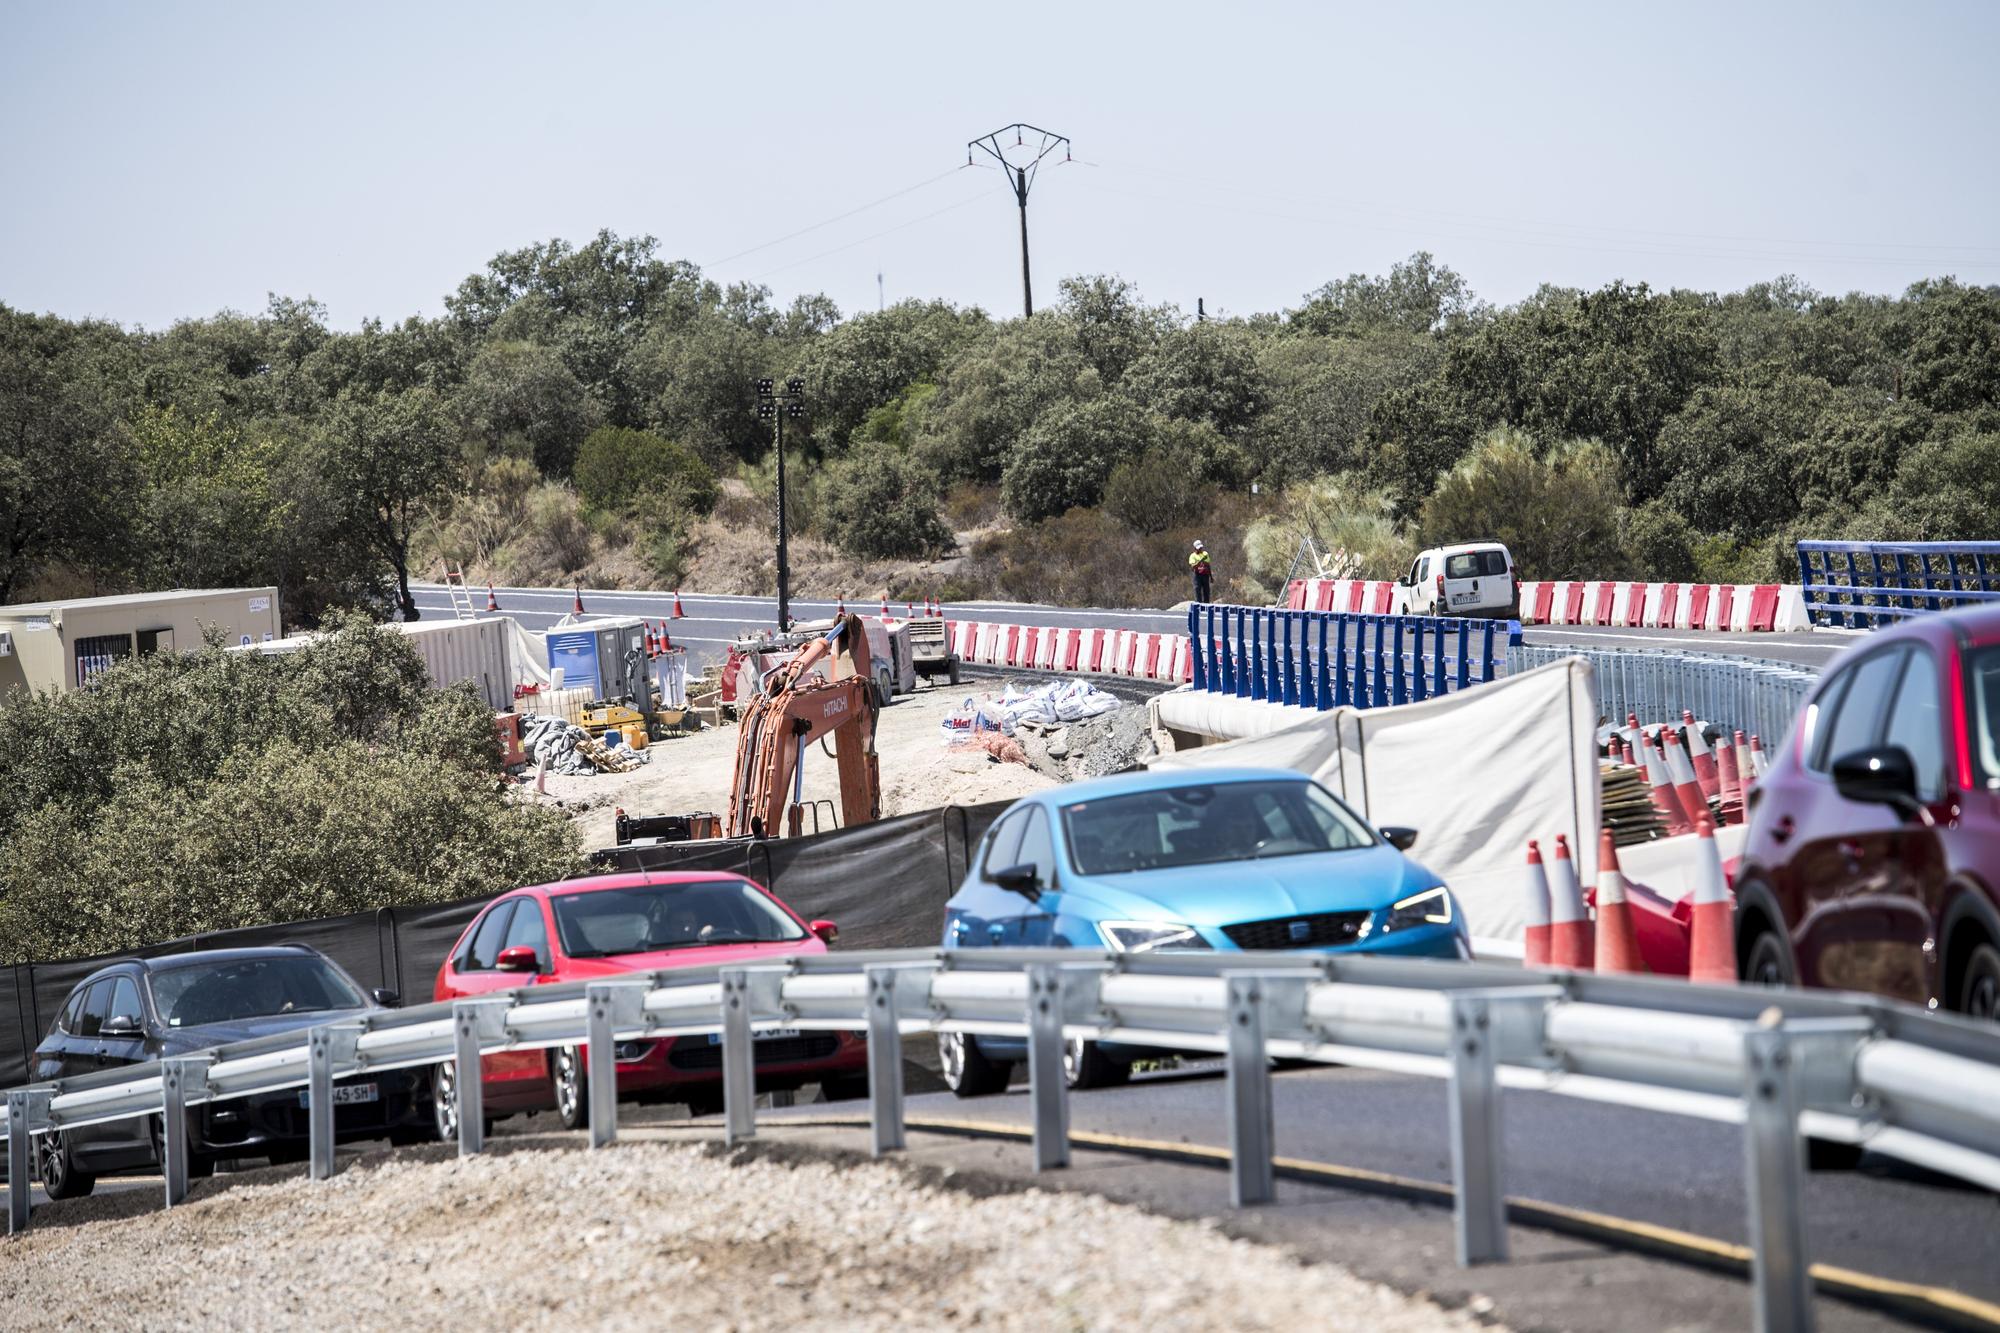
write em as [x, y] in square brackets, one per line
[1025, 880]
[1399, 837]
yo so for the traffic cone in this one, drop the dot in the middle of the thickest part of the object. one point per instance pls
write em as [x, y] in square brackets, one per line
[1698, 754]
[1712, 946]
[840, 605]
[1569, 928]
[491, 605]
[1535, 937]
[1682, 772]
[885, 606]
[577, 608]
[1730, 782]
[1617, 939]
[1757, 754]
[678, 613]
[1635, 735]
[937, 608]
[1660, 787]
[1614, 749]
[1745, 774]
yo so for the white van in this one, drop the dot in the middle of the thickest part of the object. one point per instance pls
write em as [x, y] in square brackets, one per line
[1470, 579]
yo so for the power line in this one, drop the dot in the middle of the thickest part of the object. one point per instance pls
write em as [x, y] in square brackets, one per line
[901, 226]
[838, 217]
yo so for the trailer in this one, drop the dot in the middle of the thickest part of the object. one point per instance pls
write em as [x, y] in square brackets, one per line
[61, 645]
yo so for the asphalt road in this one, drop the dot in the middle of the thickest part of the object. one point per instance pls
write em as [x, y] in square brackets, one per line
[712, 620]
[1883, 1219]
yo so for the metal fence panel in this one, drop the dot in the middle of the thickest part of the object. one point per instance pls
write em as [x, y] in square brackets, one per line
[1341, 659]
[1864, 585]
[1753, 695]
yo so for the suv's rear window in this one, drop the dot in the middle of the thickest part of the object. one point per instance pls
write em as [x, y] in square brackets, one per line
[1985, 738]
[1475, 564]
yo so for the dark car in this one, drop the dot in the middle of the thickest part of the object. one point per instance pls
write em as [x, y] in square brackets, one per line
[141, 1010]
[1873, 852]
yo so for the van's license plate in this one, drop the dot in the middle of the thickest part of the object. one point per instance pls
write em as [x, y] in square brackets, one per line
[715, 1038]
[348, 1094]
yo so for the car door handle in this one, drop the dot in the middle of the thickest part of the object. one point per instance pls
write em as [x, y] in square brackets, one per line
[1782, 829]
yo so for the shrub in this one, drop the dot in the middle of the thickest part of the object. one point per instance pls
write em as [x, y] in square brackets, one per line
[617, 465]
[1064, 460]
[1559, 514]
[880, 504]
[1661, 543]
[1156, 491]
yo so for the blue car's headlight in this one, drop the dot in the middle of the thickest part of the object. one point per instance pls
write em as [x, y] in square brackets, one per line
[1148, 936]
[1432, 907]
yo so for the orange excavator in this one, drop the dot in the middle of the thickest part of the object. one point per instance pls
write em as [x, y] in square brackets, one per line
[795, 709]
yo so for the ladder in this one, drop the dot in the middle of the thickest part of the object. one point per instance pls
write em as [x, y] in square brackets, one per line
[454, 584]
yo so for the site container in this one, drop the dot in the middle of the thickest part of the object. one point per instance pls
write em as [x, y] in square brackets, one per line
[60, 645]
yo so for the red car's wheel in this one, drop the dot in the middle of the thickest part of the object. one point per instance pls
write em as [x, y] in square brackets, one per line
[572, 1089]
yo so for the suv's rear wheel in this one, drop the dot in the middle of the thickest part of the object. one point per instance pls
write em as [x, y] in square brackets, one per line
[1979, 993]
[61, 1176]
[1766, 962]
[967, 1071]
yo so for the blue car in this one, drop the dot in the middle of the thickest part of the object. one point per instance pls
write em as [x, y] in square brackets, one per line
[1244, 858]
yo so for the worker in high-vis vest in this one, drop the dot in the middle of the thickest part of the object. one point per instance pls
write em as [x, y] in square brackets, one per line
[1198, 565]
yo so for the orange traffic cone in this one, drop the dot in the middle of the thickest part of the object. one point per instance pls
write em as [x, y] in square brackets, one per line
[1535, 937]
[840, 606]
[1686, 789]
[1730, 782]
[491, 605]
[577, 609]
[1614, 749]
[885, 606]
[666, 639]
[1635, 736]
[1698, 754]
[678, 613]
[1712, 934]
[1661, 788]
[1569, 928]
[1757, 761]
[909, 610]
[937, 608]
[1745, 774]
[1617, 939]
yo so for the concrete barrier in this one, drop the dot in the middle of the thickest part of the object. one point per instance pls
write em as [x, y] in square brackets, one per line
[1719, 607]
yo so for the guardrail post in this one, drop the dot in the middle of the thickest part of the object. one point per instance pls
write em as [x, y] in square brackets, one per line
[20, 1160]
[739, 1059]
[1046, 1085]
[1274, 689]
[1323, 692]
[885, 1064]
[1342, 692]
[1288, 619]
[1196, 665]
[1398, 682]
[1232, 654]
[608, 1007]
[474, 1023]
[1776, 1166]
[180, 1078]
[327, 1046]
[1479, 1206]
[1437, 660]
[1251, 1177]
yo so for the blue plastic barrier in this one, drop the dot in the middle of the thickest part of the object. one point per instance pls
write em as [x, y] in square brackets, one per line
[1336, 659]
[1866, 584]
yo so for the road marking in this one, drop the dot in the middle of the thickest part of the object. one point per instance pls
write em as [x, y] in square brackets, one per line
[1668, 1242]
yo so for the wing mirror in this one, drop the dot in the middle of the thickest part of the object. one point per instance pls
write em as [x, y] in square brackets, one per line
[122, 1025]
[520, 958]
[1025, 880]
[1399, 836]
[1884, 775]
[826, 930]
[387, 998]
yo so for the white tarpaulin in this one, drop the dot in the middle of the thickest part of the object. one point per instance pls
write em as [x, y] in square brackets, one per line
[1477, 773]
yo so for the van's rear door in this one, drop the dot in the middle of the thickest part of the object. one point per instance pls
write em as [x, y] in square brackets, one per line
[1476, 580]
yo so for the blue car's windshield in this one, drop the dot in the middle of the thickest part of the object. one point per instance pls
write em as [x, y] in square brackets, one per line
[1203, 823]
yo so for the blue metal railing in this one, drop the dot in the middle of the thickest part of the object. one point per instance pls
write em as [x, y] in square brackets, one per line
[1338, 659]
[1866, 584]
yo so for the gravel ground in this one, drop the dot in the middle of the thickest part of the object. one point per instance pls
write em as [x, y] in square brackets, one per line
[645, 1235]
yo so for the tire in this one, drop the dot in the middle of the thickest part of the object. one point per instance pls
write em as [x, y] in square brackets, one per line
[1766, 962]
[201, 1165]
[1086, 1066]
[444, 1102]
[951, 672]
[287, 1152]
[967, 1070]
[1827, 1155]
[705, 1102]
[571, 1087]
[1979, 994]
[61, 1177]
[844, 1088]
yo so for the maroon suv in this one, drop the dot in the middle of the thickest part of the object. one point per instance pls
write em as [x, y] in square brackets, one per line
[1873, 856]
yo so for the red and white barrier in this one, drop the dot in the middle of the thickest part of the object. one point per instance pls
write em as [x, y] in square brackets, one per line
[1376, 596]
[1100, 652]
[1738, 607]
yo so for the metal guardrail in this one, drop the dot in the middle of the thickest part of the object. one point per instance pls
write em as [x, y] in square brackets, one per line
[1754, 695]
[1869, 584]
[1340, 659]
[1920, 1086]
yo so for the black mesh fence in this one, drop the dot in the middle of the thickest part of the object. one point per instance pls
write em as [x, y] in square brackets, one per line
[884, 884]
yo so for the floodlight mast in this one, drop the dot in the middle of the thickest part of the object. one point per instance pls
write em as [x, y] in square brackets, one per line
[1021, 177]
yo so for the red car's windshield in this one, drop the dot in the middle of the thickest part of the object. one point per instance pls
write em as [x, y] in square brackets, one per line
[1985, 738]
[604, 923]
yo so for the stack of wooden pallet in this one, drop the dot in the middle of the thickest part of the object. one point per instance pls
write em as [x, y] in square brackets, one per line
[607, 760]
[1627, 804]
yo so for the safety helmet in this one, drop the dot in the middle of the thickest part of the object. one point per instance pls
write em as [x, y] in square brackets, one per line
[1197, 546]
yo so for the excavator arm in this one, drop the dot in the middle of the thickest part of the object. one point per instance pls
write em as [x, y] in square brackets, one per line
[793, 713]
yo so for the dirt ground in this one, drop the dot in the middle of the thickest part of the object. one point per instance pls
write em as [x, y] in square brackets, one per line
[919, 772]
[648, 1235]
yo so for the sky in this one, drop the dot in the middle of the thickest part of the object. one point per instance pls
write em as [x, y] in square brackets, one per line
[161, 161]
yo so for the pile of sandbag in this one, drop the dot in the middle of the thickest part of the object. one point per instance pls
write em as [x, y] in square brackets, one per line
[1051, 705]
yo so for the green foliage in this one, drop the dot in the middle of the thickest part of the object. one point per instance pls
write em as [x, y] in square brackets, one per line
[873, 358]
[1947, 489]
[1207, 373]
[1066, 457]
[209, 790]
[1558, 511]
[1354, 527]
[616, 466]
[992, 393]
[881, 504]
[1419, 296]
[1662, 543]
[521, 389]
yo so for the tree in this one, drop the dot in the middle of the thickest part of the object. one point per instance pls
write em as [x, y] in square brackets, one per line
[1558, 514]
[391, 454]
[1111, 325]
[873, 357]
[1065, 458]
[992, 392]
[1728, 459]
[1948, 336]
[1947, 489]
[518, 389]
[616, 466]
[207, 512]
[882, 505]
[1207, 372]
[1322, 393]
[1418, 296]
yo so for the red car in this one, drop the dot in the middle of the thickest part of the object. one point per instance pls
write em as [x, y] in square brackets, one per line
[583, 929]
[1873, 855]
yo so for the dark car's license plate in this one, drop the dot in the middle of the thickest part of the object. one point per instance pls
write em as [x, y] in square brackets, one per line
[347, 1094]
